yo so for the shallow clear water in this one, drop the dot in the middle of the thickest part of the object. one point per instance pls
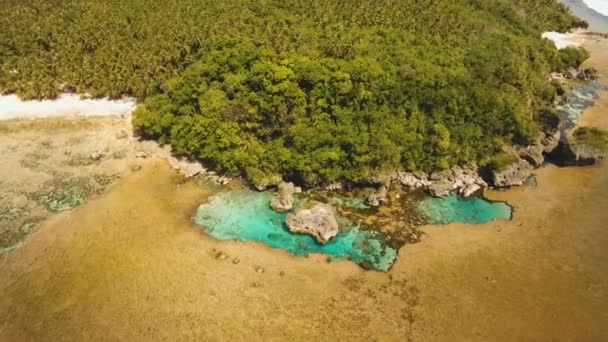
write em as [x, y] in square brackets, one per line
[245, 215]
[457, 209]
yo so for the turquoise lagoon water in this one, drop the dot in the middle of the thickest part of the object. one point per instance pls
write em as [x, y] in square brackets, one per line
[457, 209]
[245, 215]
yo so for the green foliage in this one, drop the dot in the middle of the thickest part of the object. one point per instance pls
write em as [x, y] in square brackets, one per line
[500, 161]
[591, 136]
[548, 119]
[573, 57]
[319, 90]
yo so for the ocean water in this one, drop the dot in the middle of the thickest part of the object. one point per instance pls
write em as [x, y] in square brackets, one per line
[457, 209]
[245, 215]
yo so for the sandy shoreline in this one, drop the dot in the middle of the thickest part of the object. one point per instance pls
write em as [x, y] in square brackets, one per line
[67, 105]
[131, 265]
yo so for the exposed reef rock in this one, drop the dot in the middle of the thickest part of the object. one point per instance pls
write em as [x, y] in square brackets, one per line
[576, 74]
[440, 189]
[513, 174]
[268, 181]
[334, 186]
[317, 221]
[282, 199]
[414, 180]
[378, 197]
[571, 154]
[465, 180]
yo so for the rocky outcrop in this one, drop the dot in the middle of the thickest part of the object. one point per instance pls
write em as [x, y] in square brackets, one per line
[318, 221]
[282, 199]
[378, 197]
[577, 74]
[533, 154]
[513, 174]
[413, 180]
[536, 152]
[567, 154]
[440, 189]
[268, 181]
[465, 180]
[334, 186]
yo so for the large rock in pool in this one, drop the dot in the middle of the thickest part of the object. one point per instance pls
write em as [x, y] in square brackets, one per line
[318, 221]
[282, 199]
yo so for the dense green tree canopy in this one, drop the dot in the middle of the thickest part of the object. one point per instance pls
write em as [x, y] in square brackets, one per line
[319, 90]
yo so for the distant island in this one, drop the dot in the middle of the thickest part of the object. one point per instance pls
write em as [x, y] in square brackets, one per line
[319, 91]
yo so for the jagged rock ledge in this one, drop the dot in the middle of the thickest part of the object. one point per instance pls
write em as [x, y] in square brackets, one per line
[283, 199]
[318, 221]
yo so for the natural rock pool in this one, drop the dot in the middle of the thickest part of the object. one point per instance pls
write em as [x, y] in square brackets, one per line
[457, 209]
[246, 215]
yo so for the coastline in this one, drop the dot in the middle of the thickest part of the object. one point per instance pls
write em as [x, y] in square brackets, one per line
[84, 275]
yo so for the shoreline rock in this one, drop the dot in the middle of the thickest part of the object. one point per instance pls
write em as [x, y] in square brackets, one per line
[514, 174]
[318, 221]
[282, 199]
[572, 154]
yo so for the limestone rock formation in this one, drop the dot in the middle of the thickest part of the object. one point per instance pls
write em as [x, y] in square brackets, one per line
[440, 189]
[514, 174]
[282, 199]
[571, 154]
[378, 197]
[317, 221]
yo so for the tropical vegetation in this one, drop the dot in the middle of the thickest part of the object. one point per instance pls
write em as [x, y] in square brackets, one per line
[318, 90]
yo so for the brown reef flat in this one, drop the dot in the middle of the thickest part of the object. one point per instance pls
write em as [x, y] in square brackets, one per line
[130, 265]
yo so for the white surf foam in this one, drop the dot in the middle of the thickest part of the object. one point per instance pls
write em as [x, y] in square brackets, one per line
[600, 6]
[12, 107]
[563, 40]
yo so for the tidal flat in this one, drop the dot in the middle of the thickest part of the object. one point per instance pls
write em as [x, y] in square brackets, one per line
[130, 264]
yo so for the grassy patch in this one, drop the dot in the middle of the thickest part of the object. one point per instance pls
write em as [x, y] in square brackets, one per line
[501, 161]
[591, 136]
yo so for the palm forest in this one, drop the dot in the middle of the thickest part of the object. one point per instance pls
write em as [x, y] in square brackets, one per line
[315, 90]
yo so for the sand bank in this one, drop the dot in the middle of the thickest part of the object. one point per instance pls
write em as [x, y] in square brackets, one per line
[12, 107]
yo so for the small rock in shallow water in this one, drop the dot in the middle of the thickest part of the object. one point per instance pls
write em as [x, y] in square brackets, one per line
[135, 168]
[282, 273]
[259, 269]
[256, 284]
[236, 261]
